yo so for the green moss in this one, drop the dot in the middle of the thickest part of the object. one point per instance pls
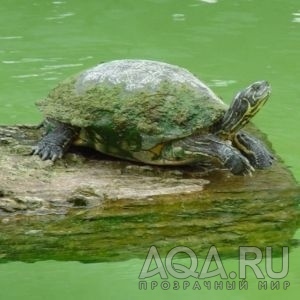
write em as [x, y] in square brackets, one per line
[143, 116]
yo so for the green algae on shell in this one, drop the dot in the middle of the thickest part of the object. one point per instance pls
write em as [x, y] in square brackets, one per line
[144, 116]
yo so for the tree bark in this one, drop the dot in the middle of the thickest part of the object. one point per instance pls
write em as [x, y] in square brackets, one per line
[90, 207]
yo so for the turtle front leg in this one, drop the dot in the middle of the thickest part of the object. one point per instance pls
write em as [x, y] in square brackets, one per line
[210, 146]
[256, 152]
[56, 142]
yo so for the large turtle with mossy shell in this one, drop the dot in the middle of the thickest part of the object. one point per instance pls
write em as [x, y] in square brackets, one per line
[155, 113]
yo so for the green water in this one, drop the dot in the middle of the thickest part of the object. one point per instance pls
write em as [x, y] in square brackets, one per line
[228, 44]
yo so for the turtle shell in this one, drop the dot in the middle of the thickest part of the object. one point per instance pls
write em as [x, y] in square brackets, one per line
[135, 103]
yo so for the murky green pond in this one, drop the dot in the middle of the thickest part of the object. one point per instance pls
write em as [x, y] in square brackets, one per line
[228, 44]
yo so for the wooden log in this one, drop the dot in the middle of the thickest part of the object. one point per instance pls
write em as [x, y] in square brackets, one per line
[90, 207]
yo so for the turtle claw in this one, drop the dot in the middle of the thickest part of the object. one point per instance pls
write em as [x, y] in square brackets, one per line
[34, 150]
[47, 151]
[54, 157]
[45, 155]
[55, 143]
[249, 171]
[57, 155]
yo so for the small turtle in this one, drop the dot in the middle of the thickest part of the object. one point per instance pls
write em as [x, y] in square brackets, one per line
[155, 113]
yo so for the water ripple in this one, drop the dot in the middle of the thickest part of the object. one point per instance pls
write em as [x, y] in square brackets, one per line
[11, 37]
[86, 57]
[54, 67]
[210, 1]
[58, 2]
[30, 60]
[178, 17]
[221, 82]
[61, 16]
[25, 76]
[296, 17]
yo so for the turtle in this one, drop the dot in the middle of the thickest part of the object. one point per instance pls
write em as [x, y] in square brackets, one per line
[155, 113]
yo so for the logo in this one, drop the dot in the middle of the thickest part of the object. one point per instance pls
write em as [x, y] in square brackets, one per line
[250, 259]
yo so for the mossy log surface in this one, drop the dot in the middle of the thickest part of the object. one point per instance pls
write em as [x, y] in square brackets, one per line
[89, 207]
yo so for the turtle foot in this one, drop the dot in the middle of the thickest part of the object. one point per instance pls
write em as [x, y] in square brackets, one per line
[56, 142]
[212, 147]
[256, 152]
[46, 150]
[239, 165]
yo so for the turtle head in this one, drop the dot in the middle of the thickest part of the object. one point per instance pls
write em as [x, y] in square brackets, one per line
[244, 106]
[254, 96]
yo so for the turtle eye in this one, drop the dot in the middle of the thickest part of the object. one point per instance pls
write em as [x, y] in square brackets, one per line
[256, 86]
